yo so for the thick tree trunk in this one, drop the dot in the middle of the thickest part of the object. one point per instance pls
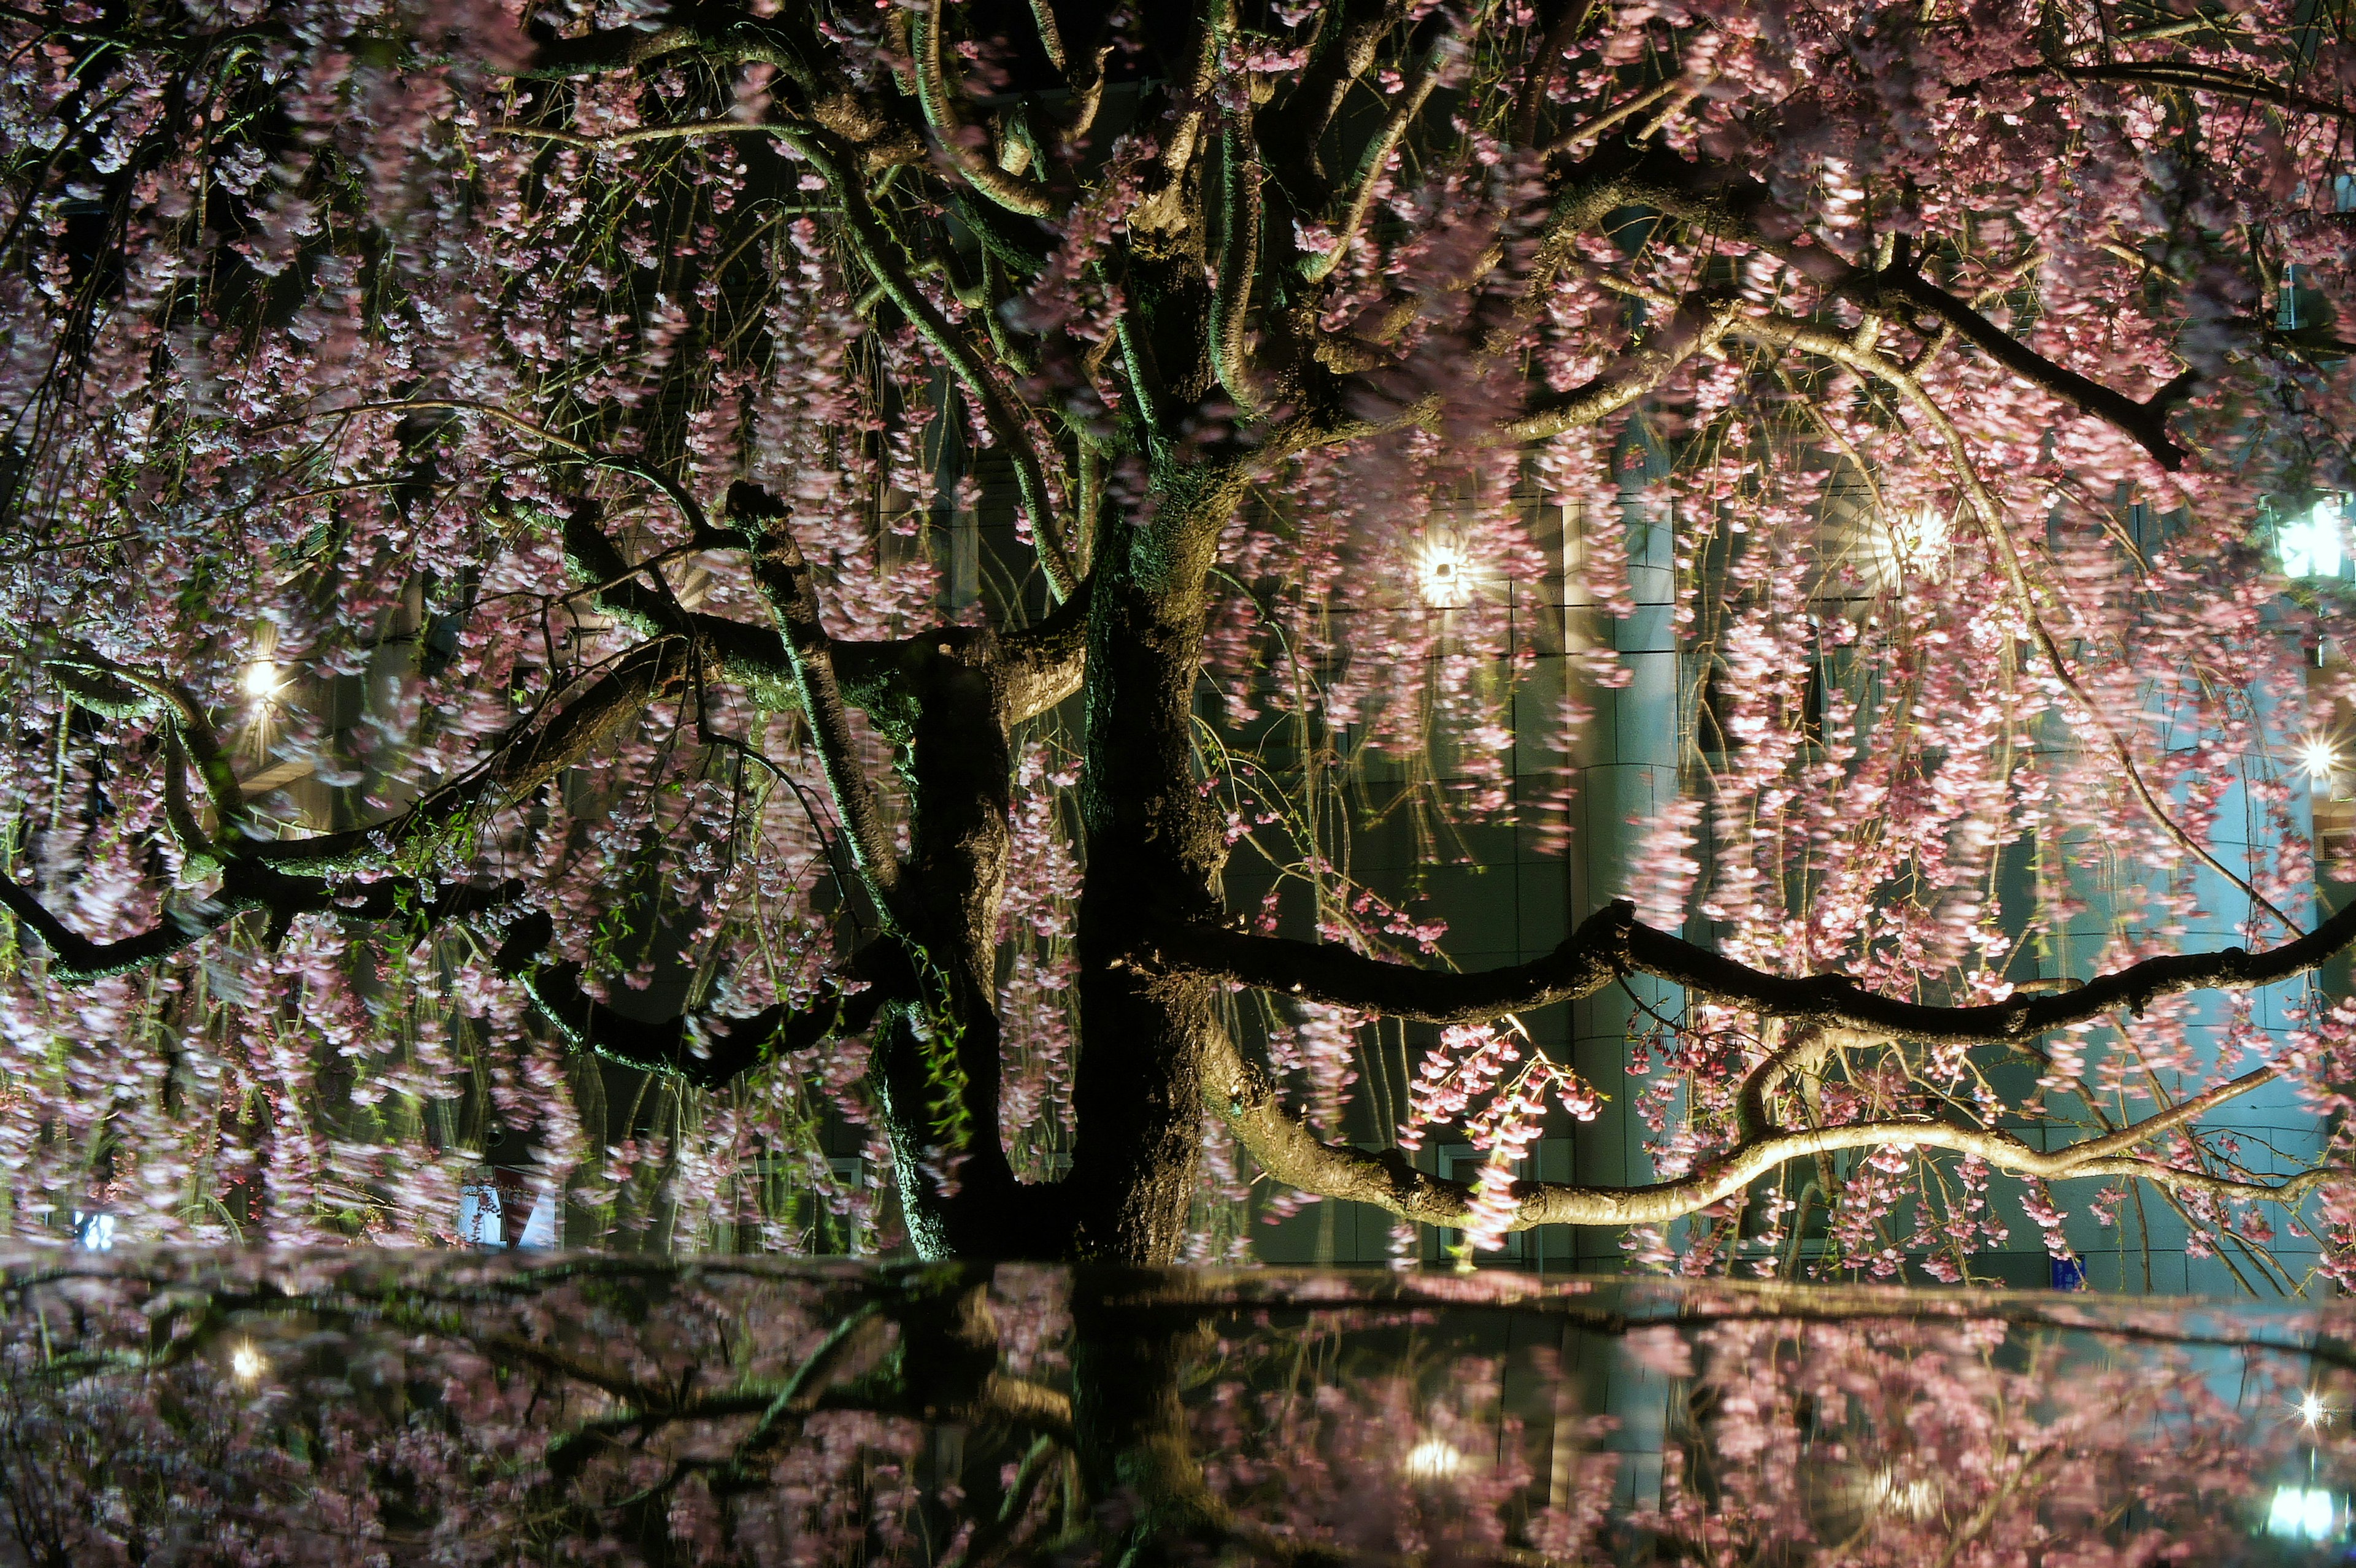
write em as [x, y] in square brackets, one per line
[1153, 847]
[1137, 1459]
[940, 1057]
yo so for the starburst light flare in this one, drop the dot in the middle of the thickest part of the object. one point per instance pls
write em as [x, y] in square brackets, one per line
[1443, 572]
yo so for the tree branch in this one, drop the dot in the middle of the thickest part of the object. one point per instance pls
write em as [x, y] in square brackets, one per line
[847, 1004]
[672, 490]
[525, 759]
[949, 129]
[679, 131]
[786, 582]
[1588, 960]
[1377, 155]
[1343, 53]
[1612, 942]
[1241, 214]
[1726, 203]
[1388, 1180]
[2183, 74]
[876, 253]
[720, 34]
[2146, 423]
[1042, 664]
[754, 657]
[120, 691]
[76, 960]
[1702, 319]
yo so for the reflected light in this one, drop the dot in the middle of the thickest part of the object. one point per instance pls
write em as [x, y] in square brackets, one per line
[1443, 572]
[2315, 543]
[2320, 758]
[2303, 1513]
[1433, 1459]
[245, 1363]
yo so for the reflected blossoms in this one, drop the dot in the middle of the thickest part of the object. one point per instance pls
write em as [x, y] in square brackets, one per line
[369, 1408]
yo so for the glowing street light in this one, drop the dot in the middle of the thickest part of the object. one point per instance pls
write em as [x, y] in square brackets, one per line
[2320, 758]
[1443, 569]
[2315, 543]
[246, 1363]
[2312, 1410]
[1886, 1494]
[2303, 1513]
[1894, 547]
[1920, 543]
[1433, 1459]
[262, 680]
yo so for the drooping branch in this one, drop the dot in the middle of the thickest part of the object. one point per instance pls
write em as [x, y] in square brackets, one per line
[1904, 291]
[786, 581]
[2016, 572]
[76, 960]
[846, 1004]
[950, 132]
[1285, 1147]
[880, 255]
[1701, 320]
[1728, 204]
[528, 757]
[1612, 943]
[1858, 352]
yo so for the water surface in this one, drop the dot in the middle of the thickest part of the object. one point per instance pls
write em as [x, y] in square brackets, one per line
[381, 1407]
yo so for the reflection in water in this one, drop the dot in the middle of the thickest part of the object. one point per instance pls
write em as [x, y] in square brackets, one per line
[389, 1408]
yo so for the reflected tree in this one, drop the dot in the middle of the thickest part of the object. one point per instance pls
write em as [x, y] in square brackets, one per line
[356, 1408]
[784, 550]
